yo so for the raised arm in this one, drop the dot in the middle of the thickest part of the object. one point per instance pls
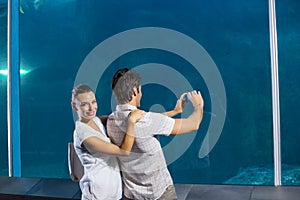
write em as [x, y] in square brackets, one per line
[192, 123]
[96, 145]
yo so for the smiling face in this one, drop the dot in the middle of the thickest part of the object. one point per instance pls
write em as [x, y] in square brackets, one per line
[86, 106]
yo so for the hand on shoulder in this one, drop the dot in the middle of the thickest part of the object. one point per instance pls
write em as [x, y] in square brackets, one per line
[136, 115]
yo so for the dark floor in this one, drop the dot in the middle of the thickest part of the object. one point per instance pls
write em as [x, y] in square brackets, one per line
[46, 189]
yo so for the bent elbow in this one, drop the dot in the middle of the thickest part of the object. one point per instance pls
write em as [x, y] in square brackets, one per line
[196, 126]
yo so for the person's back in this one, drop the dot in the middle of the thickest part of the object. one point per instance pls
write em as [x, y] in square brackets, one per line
[145, 171]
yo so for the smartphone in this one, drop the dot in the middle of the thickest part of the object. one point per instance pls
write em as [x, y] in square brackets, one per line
[184, 100]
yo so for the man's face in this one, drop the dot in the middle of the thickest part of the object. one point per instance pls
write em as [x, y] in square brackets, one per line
[86, 106]
[139, 96]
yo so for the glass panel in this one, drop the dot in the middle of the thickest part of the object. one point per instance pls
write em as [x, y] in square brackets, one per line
[3, 88]
[50, 54]
[56, 37]
[289, 75]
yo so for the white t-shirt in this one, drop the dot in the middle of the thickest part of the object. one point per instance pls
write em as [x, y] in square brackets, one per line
[101, 179]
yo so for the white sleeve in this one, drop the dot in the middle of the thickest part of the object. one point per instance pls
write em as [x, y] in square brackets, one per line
[155, 124]
[84, 132]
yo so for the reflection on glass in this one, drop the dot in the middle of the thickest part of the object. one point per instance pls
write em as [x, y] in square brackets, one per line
[22, 72]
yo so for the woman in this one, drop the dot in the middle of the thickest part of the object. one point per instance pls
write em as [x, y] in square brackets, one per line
[101, 178]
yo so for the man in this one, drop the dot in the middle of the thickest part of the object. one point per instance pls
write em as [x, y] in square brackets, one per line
[145, 171]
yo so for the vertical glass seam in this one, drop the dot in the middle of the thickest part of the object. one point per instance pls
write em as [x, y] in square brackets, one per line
[275, 93]
[13, 89]
[9, 135]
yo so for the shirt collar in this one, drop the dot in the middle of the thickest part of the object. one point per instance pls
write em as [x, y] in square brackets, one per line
[125, 107]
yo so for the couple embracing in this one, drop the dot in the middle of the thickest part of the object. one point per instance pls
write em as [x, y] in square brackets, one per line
[129, 144]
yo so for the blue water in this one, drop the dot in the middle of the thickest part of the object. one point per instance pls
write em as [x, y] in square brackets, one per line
[56, 36]
[264, 175]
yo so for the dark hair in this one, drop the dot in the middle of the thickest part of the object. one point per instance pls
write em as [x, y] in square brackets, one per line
[123, 83]
[80, 89]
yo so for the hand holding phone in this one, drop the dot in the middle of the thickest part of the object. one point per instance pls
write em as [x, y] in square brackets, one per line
[184, 100]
